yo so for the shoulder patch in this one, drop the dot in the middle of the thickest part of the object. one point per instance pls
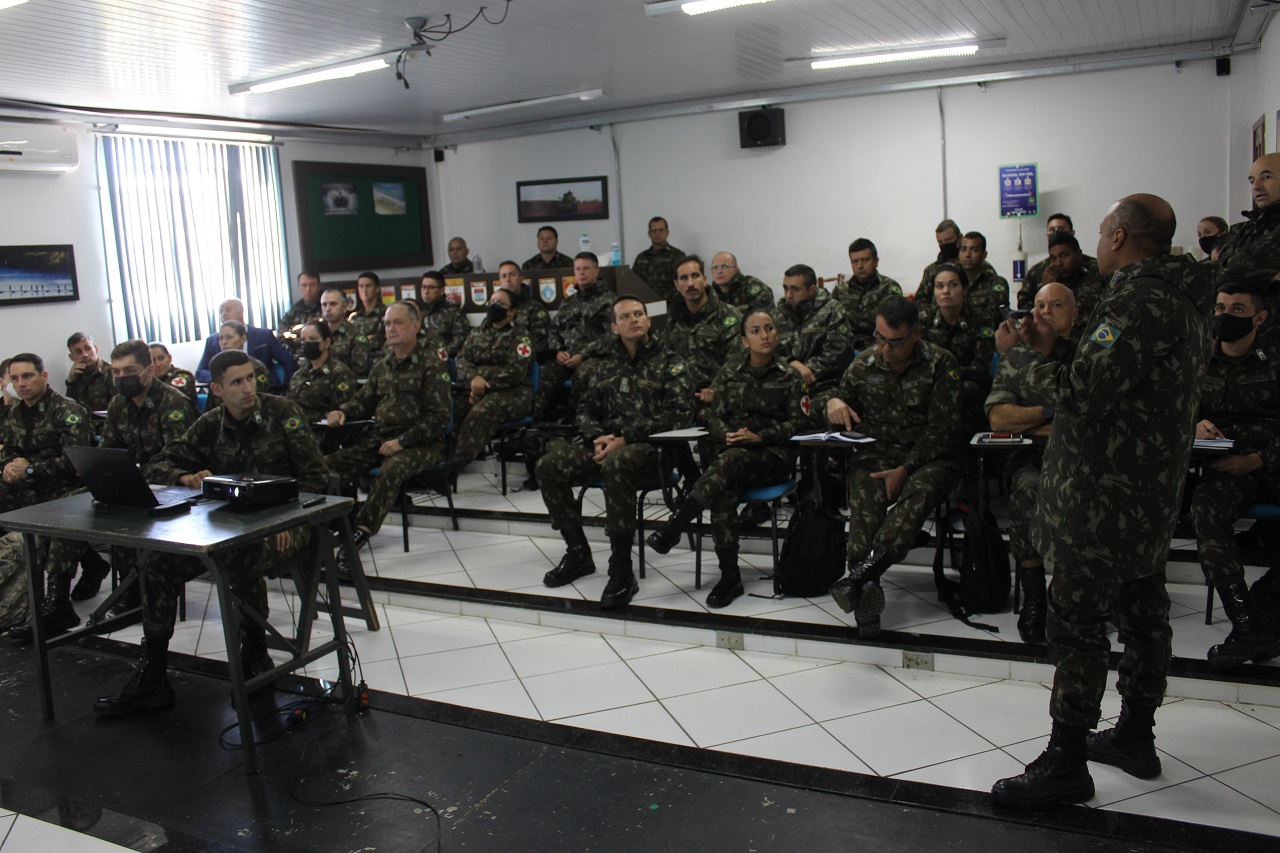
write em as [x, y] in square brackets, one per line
[730, 321]
[72, 419]
[988, 332]
[291, 423]
[262, 378]
[677, 368]
[754, 289]
[999, 287]
[524, 349]
[1105, 335]
[953, 374]
[444, 376]
[443, 354]
[179, 382]
[176, 415]
[805, 405]
[362, 339]
[843, 328]
[344, 386]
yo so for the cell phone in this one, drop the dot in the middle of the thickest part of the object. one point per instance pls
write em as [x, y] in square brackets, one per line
[1015, 313]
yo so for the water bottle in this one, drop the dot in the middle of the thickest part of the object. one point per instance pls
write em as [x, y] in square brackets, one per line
[584, 245]
[615, 255]
[477, 264]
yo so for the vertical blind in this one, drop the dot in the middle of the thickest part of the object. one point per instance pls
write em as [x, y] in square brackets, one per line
[192, 223]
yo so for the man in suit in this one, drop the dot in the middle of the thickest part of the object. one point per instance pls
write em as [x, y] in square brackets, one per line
[262, 345]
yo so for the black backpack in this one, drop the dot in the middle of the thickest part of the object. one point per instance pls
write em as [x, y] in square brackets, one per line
[813, 556]
[984, 569]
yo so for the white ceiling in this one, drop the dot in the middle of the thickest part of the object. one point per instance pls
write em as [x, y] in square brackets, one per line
[179, 56]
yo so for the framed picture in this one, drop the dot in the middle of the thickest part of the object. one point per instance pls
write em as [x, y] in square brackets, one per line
[355, 217]
[562, 199]
[1259, 137]
[37, 274]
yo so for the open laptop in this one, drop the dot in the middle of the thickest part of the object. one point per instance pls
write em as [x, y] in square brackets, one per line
[113, 478]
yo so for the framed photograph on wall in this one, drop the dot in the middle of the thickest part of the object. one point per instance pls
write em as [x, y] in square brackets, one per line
[38, 274]
[562, 199]
[1259, 138]
[356, 217]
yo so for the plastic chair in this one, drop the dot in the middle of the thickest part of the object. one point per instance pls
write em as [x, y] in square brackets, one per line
[769, 495]
[668, 481]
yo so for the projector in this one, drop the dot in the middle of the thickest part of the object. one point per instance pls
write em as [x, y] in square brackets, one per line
[248, 491]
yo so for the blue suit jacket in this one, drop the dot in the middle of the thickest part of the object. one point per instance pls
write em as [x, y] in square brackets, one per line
[262, 345]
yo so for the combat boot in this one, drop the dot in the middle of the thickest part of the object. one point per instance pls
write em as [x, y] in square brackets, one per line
[1131, 744]
[1060, 776]
[148, 689]
[860, 592]
[94, 570]
[1265, 593]
[1034, 604]
[254, 658]
[729, 586]
[59, 615]
[622, 585]
[576, 563]
[1250, 637]
[665, 537]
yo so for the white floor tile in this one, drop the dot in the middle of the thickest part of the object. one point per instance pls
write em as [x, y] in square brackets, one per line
[636, 647]
[648, 720]
[465, 540]
[1003, 712]
[437, 635]
[377, 646]
[501, 697]
[812, 745]
[1205, 801]
[1111, 784]
[973, 772]
[28, 835]
[510, 631]
[393, 615]
[558, 652]
[771, 665]
[507, 553]
[905, 737]
[584, 691]
[1257, 781]
[1265, 713]
[508, 577]
[928, 683]
[842, 689]
[735, 713]
[382, 675]
[454, 669]
[1212, 737]
[691, 670]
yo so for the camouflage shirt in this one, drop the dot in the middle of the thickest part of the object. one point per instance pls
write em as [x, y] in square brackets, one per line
[972, 340]
[273, 438]
[746, 293]
[657, 269]
[914, 416]
[1125, 418]
[859, 302]
[93, 390]
[408, 397]
[636, 397]
[298, 314]
[816, 332]
[558, 261]
[1035, 279]
[449, 322]
[1004, 387]
[585, 318]
[706, 341]
[318, 392]
[262, 378]
[535, 319]
[1242, 398]
[182, 381]
[38, 433]
[351, 346]
[165, 414]
[1255, 243]
[503, 357]
[369, 324]
[771, 401]
[924, 292]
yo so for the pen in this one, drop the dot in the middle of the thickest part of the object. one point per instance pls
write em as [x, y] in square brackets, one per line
[316, 501]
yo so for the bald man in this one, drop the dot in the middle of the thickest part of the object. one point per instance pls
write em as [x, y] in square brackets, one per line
[1124, 416]
[1255, 243]
[459, 263]
[744, 292]
[262, 345]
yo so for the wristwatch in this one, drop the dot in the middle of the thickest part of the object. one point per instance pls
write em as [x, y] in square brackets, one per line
[1046, 413]
[31, 470]
[910, 466]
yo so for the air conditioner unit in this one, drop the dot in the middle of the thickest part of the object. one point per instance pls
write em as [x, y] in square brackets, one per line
[38, 148]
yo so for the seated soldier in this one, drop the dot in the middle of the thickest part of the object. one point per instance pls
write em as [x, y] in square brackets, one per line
[954, 324]
[1054, 307]
[322, 384]
[581, 324]
[813, 331]
[233, 335]
[864, 290]
[744, 292]
[1069, 266]
[89, 379]
[441, 315]
[549, 256]
[988, 291]
[638, 389]
[367, 318]
[407, 396]
[1240, 400]
[251, 433]
[347, 343]
[904, 393]
[182, 381]
[759, 402]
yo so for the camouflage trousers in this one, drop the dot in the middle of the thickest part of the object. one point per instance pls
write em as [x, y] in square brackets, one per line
[481, 421]
[351, 463]
[1219, 500]
[15, 603]
[624, 471]
[551, 379]
[874, 522]
[56, 556]
[736, 469]
[1024, 489]
[164, 575]
[1081, 600]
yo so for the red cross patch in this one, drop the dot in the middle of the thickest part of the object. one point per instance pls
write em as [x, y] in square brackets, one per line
[804, 404]
[443, 353]
[179, 381]
[524, 350]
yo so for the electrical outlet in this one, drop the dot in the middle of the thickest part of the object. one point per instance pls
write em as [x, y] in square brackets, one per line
[917, 660]
[731, 640]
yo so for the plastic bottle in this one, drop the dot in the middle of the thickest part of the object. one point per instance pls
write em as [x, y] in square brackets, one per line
[615, 255]
[584, 245]
[477, 264]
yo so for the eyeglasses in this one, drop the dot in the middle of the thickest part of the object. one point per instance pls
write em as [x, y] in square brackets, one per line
[892, 343]
[722, 267]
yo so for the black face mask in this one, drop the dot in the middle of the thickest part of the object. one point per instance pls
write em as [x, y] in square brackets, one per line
[948, 252]
[495, 314]
[1229, 328]
[310, 350]
[129, 386]
[1206, 243]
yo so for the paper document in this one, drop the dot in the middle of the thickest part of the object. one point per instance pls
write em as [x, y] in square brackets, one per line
[1214, 443]
[689, 432]
[841, 436]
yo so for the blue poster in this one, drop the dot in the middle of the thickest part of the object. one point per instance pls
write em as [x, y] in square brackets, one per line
[1018, 191]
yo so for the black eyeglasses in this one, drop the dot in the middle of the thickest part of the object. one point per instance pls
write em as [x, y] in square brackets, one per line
[892, 343]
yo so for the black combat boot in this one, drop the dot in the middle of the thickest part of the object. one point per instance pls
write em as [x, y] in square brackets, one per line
[1060, 776]
[147, 689]
[93, 570]
[665, 537]
[1250, 638]
[729, 586]
[253, 650]
[861, 591]
[576, 563]
[622, 585]
[1265, 593]
[1131, 745]
[1034, 604]
[59, 615]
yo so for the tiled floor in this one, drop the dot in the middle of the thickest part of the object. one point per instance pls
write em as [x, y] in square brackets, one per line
[22, 834]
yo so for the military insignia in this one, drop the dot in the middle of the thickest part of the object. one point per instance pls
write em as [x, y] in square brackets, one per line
[523, 349]
[443, 354]
[177, 415]
[754, 289]
[292, 423]
[805, 406]
[729, 321]
[361, 339]
[876, 379]
[547, 290]
[999, 288]
[179, 382]
[262, 378]
[1105, 335]
[72, 419]
[677, 368]
[988, 332]
[570, 286]
[843, 328]
[444, 376]
[344, 386]
[953, 374]
[479, 292]
[1262, 356]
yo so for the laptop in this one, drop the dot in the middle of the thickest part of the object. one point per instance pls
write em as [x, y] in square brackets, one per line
[113, 478]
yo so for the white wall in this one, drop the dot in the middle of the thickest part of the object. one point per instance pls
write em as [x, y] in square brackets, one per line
[1255, 92]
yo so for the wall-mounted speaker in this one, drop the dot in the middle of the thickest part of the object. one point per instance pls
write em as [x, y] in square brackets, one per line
[1224, 66]
[439, 154]
[762, 128]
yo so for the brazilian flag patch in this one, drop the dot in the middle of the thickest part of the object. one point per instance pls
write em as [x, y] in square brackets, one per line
[999, 287]
[361, 339]
[292, 423]
[343, 386]
[730, 321]
[176, 415]
[843, 328]
[953, 374]
[1105, 335]
[988, 332]
[677, 368]
[754, 289]
[72, 419]
[262, 378]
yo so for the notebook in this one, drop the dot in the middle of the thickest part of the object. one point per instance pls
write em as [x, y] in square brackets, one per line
[112, 478]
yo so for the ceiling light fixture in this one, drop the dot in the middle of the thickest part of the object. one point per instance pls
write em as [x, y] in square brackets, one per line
[875, 56]
[188, 133]
[8, 4]
[694, 7]
[336, 71]
[586, 95]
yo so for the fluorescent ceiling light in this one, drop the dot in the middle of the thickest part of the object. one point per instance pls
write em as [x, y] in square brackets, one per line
[893, 56]
[191, 133]
[301, 78]
[6, 4]
[694, 7]
[587, 95]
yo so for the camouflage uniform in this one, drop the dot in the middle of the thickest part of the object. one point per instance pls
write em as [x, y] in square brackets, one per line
[448, 321]
[38, 433]
[350, 346]
[1035, 280]
[465, 267]
[658, 270]
[859, 302]
[535, 319]
[408, 398]
[165, 414]
[629, 397]
[972, 341]
[924, 292]
[582, 325]
[1255, 243]
[914, 416]
[816, 333]
[182, 381]
[746, 293]
[1113, 473]
[706, 340]
[261, 377]
[93, 390]
[558, 261]
[369, 324]
[504, 358]
[771, 401]
[15, 604]
[318, 392]
[1242, 398]
[299, 314]
[273, 438]
[1087, 286]
[986, 294]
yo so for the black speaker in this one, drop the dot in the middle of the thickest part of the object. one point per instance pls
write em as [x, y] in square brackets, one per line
[761, 128]
[1224, 66]
[439, 152]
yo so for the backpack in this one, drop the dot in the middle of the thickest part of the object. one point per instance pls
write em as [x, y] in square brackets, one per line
[984, 569]
[813, 555]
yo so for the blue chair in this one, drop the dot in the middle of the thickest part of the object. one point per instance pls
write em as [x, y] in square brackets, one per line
[771, 496]
[665, 485]
[1259, 512]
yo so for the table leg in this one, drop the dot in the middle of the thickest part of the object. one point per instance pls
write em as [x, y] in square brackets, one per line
[34, 583]
[230, 606]
[335, 604]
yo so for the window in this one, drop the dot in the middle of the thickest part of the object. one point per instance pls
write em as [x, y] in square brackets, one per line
[191, 222]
